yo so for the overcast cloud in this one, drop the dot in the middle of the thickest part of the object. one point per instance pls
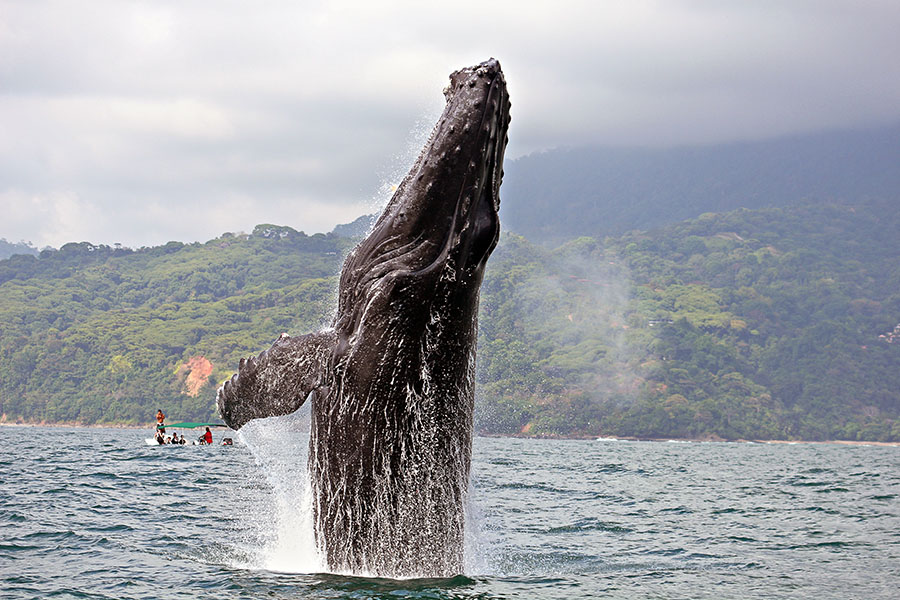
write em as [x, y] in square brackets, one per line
[144, 122]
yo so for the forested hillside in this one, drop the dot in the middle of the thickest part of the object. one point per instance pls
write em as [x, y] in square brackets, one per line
[770, 323]
[775, 323]
[94, 334]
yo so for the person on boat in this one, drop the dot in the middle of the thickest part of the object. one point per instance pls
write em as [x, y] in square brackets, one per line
[175, 439]
[207, 437]
[160, 439]
[160, 420]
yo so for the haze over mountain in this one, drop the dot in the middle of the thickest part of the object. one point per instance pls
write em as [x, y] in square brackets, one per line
[7, 249]
[553, 196]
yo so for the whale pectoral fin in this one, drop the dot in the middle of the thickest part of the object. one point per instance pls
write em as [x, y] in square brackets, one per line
[276, 382]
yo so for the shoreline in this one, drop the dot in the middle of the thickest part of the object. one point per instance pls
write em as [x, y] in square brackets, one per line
[610, 438]
[711, 440]
[613, 438]
[837, 442]
[81, 425]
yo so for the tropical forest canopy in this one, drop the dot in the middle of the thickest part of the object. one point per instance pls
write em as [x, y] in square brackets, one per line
[740, 291]
[93, 334]
[769, 323]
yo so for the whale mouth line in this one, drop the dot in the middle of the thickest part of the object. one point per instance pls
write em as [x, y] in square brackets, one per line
[485, 184]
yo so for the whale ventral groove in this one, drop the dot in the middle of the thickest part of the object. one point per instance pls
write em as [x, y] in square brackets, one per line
[391, 382]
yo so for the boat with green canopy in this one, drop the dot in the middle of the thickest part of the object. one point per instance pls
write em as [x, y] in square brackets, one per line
[155, 441]
[189, 425]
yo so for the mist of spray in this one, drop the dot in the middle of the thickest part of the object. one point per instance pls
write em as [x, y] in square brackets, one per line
[396, 169]
[597, 284]
[568, 313]
[283, 526]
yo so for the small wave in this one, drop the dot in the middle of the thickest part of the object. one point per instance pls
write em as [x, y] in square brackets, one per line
[836, 544]
[611, 468]
[14, 518]
[667, 552]
[75, 593]
[821, 509]
[803, 482]
[18, 548]
[606, 496]
[865, 474]
[583, 525]
[677, 510]
[883, 497]
[532, 486]
[51, 535]
[105, 475]
[726, 511]
[111, 528]
[551, 563]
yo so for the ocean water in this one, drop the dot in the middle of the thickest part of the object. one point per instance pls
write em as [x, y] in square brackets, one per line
[96, 513]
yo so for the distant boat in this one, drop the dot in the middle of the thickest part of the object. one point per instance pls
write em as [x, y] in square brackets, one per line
[151, 441]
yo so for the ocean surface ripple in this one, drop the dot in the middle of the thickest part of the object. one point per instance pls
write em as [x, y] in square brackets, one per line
[96, 513]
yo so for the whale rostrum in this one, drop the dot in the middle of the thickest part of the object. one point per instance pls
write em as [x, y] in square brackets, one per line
[391, 382]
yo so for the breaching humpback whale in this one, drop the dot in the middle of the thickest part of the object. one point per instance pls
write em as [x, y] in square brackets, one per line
[391, 382]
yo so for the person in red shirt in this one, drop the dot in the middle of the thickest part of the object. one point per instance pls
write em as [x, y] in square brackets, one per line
[207, 437]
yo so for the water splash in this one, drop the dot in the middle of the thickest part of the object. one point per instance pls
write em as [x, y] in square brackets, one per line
[392, 173]
[284, 528]
[480, 547]
[276, 510]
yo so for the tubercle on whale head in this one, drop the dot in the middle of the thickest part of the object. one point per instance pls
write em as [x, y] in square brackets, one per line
[445, 211]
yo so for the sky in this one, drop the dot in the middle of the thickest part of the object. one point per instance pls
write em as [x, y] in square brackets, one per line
[139, 123]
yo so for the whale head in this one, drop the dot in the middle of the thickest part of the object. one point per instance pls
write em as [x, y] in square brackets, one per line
[442, 222]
